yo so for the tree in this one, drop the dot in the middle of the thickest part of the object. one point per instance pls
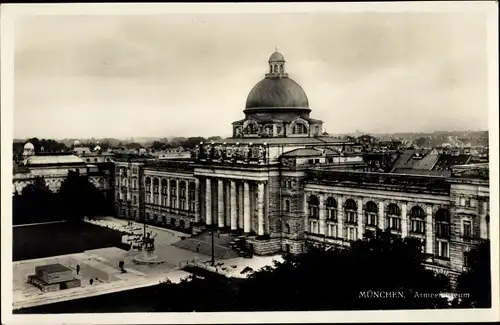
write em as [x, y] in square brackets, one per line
[35, 203]
[80, 198]
[157, 145]
[476, 281]
[346, 279]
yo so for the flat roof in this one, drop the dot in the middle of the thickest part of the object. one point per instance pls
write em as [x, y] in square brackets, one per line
[52, 268]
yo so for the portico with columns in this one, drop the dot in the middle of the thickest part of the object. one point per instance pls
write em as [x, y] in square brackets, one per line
[234, 201]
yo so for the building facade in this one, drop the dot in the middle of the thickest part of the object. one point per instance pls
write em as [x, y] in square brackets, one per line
[284, 184]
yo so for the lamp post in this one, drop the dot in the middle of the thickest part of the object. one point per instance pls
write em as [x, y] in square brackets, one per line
[213, 247]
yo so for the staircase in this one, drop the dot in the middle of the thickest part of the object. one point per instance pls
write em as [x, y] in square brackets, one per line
[239, 245]
[226, 246]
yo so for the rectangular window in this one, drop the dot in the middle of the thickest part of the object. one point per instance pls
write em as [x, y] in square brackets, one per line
[394, 223]
[316, 161]
[134, 184]
[165, 201]
[314, 211]
[371, 219]
[351, 217]
[442, 249]
[192, 205]
[155, 199]
[332, 214]
[466, 259]
[287, 205]
[442, 230]
[351, 233]
[148, 198]
[313, 227]
[332, 231]
[467, 229]
[310, 161]
[418, 226]
[172, 202]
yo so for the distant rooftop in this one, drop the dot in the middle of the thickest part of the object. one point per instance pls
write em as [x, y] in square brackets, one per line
[54, 159]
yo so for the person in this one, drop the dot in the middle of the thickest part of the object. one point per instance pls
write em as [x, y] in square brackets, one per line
[91, 281]
[78, 269]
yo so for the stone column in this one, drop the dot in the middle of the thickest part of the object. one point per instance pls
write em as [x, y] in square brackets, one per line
[187, 196]
[340, 217]
[483, 226]
[429, 232]
[246, 208]
[381, 216]
[234, 216]
[208, 201]
[240, 206]
[404, 220]
[160, 187]
[227, 203]
[168, 192]
[177, 193]
[306, 212]
[151, 190]
[197, 200]
[220, 201]
[322, 219]
[360, 219]
[260, 208]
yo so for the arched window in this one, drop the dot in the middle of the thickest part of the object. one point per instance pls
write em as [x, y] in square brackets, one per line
[331, 209]
[192, 195]
[282, 68]
[275, 68]
[156, 183]
[394, 217]
[164, 186]
[134, 200]
[313, 207]
[371, 211]
[417, 219]
[182, 195]
[181, 224]
[299, 128]
[313, 214]
[351, 211]
[287, 228]
[155, 217]
[351, 219]
[148, 184]
[173, 193]
[271, 68]
[172, 222]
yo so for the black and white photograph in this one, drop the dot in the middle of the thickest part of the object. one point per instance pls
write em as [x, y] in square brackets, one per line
[201, 163]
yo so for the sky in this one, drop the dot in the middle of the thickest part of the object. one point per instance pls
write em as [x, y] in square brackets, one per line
[190, 74]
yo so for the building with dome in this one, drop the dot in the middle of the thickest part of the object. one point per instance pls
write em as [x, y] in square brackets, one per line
[280, 184]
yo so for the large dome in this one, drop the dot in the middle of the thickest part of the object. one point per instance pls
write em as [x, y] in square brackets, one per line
[277, 93]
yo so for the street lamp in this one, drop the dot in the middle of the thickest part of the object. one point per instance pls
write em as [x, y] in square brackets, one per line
[213, 246]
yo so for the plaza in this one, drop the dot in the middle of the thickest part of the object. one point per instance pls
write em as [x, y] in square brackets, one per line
[101, 265]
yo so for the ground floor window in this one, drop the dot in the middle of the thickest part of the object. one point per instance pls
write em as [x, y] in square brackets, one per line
[352, 233]
[443, 249]
[313, 227]
[332, 230]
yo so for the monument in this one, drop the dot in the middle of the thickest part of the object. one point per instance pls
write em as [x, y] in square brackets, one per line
[148, 256]
[53, 277]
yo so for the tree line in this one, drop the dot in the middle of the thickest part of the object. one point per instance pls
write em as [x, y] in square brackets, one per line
[77, 198]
